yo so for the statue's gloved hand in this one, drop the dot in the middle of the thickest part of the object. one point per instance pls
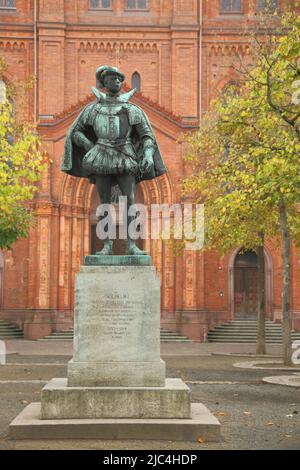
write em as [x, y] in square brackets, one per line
[82, 141]
[146, 164]
[88, 145]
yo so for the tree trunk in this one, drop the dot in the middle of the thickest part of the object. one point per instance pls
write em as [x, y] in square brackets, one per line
[286, 285]
[261, 313]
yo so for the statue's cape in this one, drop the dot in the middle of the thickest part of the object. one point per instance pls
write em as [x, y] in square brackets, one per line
[73, 155]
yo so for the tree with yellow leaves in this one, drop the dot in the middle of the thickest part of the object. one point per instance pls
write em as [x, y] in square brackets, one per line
[21, 167]
[246, 159]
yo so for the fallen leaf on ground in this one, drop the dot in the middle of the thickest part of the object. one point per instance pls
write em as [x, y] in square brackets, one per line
[270, 424]
[220, 413]
[201, 440]
[247, 413]
[24, 402]
[289, 416]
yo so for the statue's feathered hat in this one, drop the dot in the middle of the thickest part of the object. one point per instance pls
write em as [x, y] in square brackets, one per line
[104, 70]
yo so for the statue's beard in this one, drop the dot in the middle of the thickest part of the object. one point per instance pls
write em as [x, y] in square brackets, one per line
[114, 90]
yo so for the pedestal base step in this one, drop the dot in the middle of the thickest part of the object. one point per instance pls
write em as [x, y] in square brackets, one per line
[62, 402]
[203, 424]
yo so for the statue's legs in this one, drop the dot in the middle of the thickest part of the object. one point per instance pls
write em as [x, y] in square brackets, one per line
[127, 186]
[103, 183]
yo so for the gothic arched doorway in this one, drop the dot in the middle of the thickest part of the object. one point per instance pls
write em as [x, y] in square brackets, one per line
[245, 284]
[119, 244]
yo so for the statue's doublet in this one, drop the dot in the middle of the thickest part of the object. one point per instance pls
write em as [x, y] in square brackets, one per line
[120, 132]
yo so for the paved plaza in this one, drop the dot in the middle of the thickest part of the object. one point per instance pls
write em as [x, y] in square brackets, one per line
[253, 414]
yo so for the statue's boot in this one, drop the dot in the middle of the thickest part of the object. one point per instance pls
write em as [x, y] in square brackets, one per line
[107, 249]
[133, 250]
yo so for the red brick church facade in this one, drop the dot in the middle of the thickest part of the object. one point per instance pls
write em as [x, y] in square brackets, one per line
[179, 52]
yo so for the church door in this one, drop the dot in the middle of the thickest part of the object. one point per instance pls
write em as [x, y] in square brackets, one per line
[245, 284]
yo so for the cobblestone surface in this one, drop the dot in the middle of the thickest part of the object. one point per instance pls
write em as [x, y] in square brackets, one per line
[253, 415]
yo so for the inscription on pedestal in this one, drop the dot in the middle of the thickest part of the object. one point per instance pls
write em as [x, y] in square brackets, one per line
[117, 315]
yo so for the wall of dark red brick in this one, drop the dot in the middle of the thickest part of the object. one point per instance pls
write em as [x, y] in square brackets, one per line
[163, 46]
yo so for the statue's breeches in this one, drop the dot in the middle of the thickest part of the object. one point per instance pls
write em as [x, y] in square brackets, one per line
[110, 160]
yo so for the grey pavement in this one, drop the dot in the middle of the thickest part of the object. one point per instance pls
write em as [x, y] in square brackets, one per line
[65, 348]
[253, 414]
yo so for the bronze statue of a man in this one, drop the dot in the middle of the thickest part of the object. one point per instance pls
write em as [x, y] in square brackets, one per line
[112, 143]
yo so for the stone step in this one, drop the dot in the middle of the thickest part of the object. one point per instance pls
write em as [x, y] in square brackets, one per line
[254, 326]
[163, 339]
[244, 341]
[252, 323]
[243, 333]
[172, 336]
[9, 331]
[165, 336]
[244, 338]
[176, 340]
[245, 317]
[249, 327]
[8, 325]
[49, 338]
[240, 328]
[11, 336]
[250, 338]
[14, 336]
[272, 330]
[61, 333]
[236, 332]
[2, 332]
[239, 331]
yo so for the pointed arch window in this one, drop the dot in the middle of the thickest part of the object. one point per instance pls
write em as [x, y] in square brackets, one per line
[7, 3]
[231, 6]
[136, 81]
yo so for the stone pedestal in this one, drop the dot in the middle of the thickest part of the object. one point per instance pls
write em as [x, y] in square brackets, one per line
[117, 328]
[116, 383]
